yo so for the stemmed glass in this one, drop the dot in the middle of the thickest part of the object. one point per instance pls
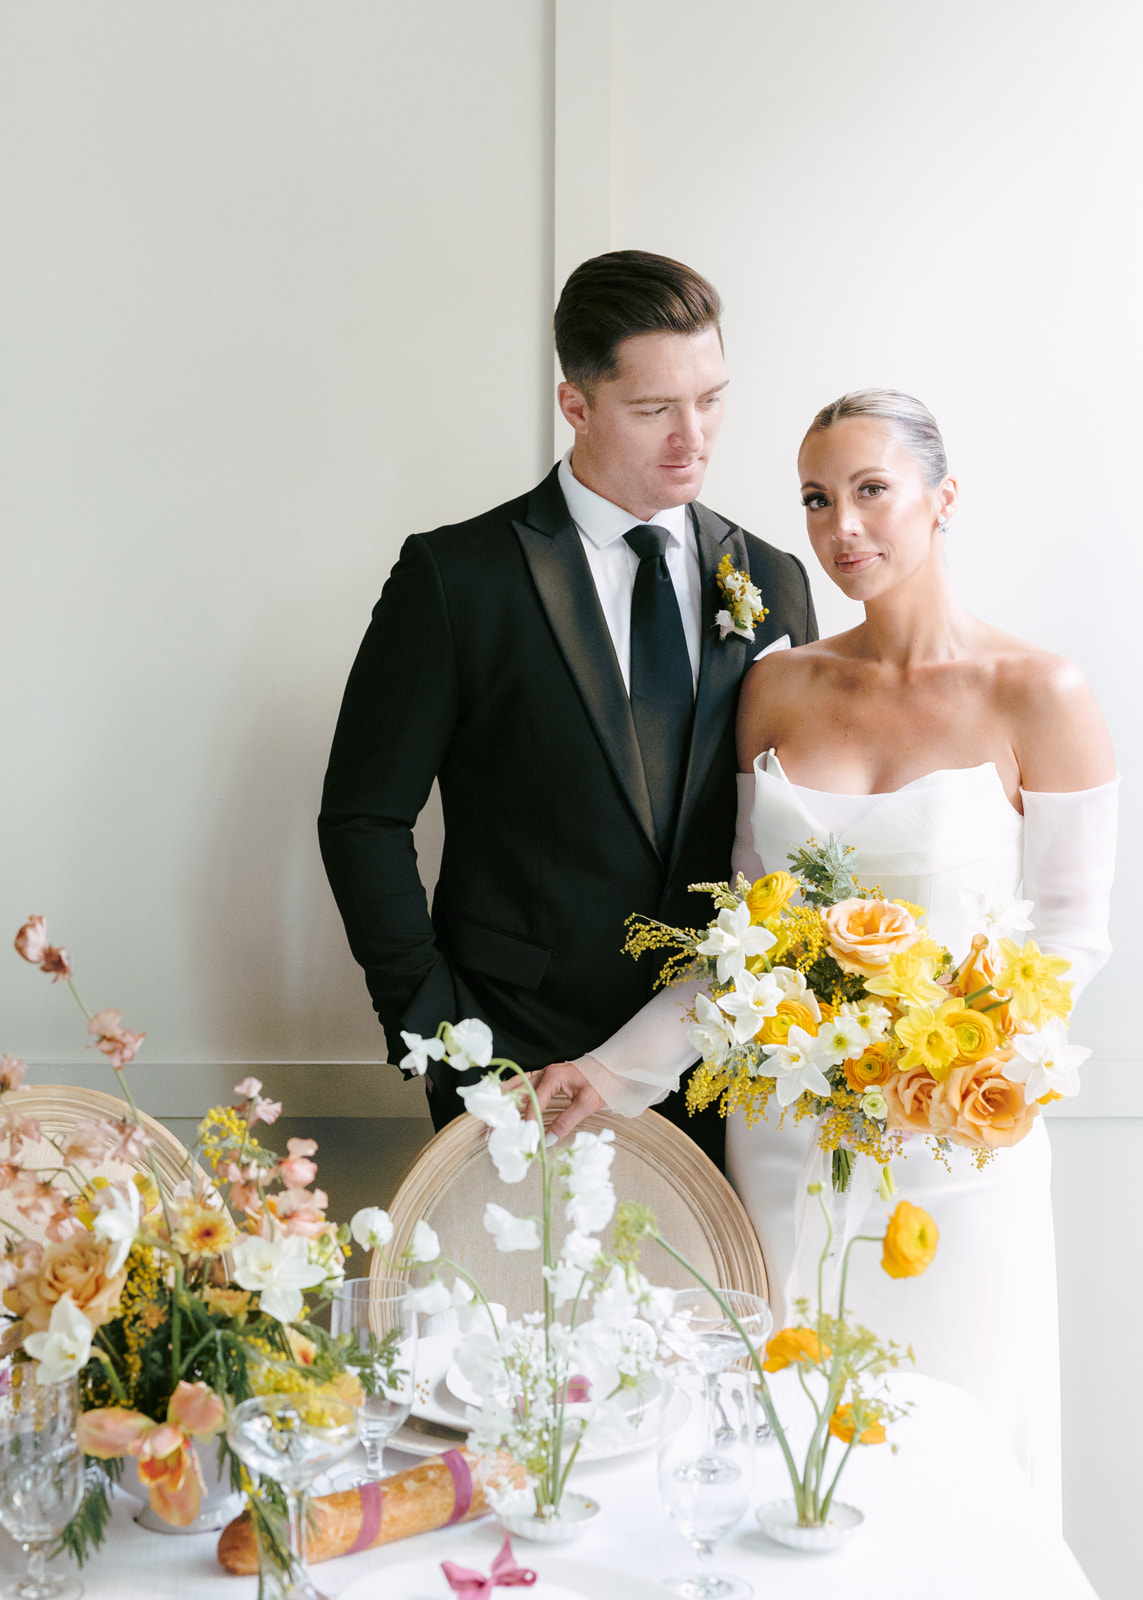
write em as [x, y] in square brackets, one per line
[706, 1484]
[290, 1439]
[701, 1332]
[41, 1475]
[383, 1353]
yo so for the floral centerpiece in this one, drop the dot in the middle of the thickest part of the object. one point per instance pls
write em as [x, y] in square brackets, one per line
[169, 1306]
[839, 1005]
[581, 1366]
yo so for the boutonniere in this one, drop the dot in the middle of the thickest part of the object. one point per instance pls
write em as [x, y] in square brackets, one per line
[743, 602]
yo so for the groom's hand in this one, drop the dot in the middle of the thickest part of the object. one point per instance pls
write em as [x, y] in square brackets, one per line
[564, 1078]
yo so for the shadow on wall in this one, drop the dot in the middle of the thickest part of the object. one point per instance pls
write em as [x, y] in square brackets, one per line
[267, 950]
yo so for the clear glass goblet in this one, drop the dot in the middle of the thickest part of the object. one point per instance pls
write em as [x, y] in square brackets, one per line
[705, 1337]
[383, 1353]
[41, 1476]
[705, 1486]
[290, 1439]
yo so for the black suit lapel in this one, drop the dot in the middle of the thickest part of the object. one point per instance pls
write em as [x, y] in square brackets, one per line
[722, 662]
[555, 557]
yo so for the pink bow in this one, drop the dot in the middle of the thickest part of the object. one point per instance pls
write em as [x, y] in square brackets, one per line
[505, 1574]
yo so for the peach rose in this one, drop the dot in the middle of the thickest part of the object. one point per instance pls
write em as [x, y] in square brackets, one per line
[77, 1266]
[864, 934]
[909, 1096]
[978, 1106]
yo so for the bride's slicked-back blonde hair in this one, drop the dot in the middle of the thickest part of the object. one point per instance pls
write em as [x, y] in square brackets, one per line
[913, 421]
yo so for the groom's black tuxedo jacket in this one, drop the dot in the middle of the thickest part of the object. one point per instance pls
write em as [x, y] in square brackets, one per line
[488, 665]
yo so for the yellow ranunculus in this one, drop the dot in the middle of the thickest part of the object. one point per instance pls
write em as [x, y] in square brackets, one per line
[790, 1014]
[794, 1345]
[868, 1071]
[843, 1426]
[910, 1242]
[768, 895]
[975, 1036]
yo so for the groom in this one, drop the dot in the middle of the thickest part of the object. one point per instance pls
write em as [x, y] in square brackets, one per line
[555, 663]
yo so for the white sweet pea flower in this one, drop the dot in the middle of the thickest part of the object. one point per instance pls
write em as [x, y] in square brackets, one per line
[839, 1040]
[486, 1101]
[473, 1313]
[430, 1299]
[710, 1035]
[277, 1270]
[1045, 1063]
[425, 1247]
[371, 1227]
[795, 1067]
[590, 1195]
[117, 1221]
[512, 1149]
[564, 1280]
[733, 940]
[509, 1232]
[750, 1002]
[874, 1104]
[468, 1044]
[421, 1052]
[794, 987]
[580, 1250]
[871, 1017]
[624, 1298]
[996, 914]
[66, 1347]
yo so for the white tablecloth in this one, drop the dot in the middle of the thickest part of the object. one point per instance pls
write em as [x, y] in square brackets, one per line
[949, 1515]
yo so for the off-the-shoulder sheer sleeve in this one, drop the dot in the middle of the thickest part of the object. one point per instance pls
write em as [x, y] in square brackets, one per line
[640, 1065]
[1069, 862]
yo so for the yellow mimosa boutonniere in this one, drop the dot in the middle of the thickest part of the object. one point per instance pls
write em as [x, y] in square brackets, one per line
[743, 602]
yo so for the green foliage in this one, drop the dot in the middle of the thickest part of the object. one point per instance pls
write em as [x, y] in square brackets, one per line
[84, 1533]
[823, 872]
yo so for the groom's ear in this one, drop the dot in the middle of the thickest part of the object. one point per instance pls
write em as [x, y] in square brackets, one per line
[574, 405]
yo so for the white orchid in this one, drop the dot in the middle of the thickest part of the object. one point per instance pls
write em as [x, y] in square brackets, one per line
[468, 1044]
[996, 914]
[66, 1347]
[431, 1298]
[117, 1221]
[277, 1270]
[509, 1232]
[513, 1148]
[750, 1002]
[733, 940]
[371, 1227]
[796, 1067]
[421, 1052]
[1045, 1063]
[425, 1247]
[710, 1034]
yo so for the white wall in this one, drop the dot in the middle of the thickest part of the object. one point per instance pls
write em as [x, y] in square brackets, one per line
[276, 290]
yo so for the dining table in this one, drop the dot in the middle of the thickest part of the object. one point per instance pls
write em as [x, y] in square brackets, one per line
[947, 1513]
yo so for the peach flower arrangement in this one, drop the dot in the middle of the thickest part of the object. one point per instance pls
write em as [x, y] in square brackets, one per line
[836, 1003]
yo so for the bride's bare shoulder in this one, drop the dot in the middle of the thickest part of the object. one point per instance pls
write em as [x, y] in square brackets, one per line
[1057, 730]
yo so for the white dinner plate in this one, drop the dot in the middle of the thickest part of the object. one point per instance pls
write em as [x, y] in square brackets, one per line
[556, 1579]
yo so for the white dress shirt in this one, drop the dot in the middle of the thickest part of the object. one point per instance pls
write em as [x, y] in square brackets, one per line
[601, 526]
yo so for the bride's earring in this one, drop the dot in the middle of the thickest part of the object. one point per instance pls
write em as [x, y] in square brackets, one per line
[942, 526]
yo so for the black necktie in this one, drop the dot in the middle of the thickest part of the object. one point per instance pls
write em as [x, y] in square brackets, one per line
[662, 689]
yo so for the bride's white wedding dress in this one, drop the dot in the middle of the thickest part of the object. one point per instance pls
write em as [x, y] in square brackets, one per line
[984, 1316]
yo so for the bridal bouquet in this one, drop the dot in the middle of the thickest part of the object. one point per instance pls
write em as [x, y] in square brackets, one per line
[165, 1307]
[841, 1007]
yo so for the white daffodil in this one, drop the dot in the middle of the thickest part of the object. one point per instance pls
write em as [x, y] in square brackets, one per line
[750, 1002]
[468, 1044]
[421, 1052]
[486, 1101]
[509, 1232]
[1045, 1062]
[794, 987]
[874, 1104]
[733, 940]
[66, 1347]
[371, 1227]
[277, 1270]
[839, 1040]
[710, 1034]
[872, 1018]
[996, 914]
[586, 1167]
[431, 1299]
[795, 1067]
[117, 1220]
[425, 1247]
[512, 1149]
[580, 1250]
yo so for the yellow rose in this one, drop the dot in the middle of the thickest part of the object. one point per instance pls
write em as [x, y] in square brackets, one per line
[76, 1266]
[794, 1345]
[910, 1242]
[864, 935]
[843, 1427]
[767, 897]
[979, 1107]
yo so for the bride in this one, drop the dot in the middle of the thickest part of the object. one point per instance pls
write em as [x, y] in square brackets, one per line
[966, 767]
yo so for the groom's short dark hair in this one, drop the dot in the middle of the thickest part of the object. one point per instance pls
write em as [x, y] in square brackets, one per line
[616, 296]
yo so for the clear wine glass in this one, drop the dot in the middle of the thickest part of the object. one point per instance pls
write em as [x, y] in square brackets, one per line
[705, 1337]
[290, 1439]
[383, 1353]
[41, 1476]
[705, 1486]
